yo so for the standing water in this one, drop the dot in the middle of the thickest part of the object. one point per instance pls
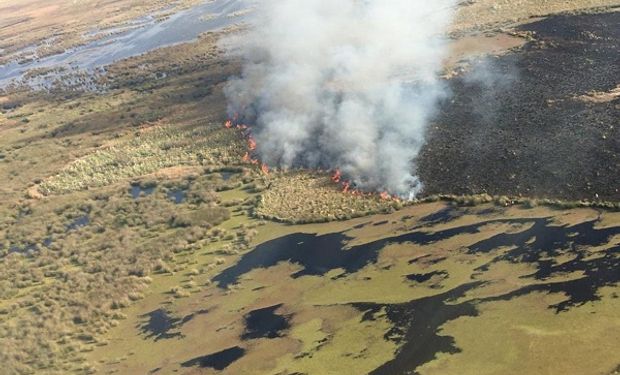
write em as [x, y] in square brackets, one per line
[149, 34]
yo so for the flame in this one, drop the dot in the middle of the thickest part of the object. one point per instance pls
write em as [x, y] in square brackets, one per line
[264, 168]
[336, 176]
[348, 189]
[346, 186]
[247, 157]
[251, 144]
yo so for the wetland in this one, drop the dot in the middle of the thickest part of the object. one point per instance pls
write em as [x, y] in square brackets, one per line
[135, 238]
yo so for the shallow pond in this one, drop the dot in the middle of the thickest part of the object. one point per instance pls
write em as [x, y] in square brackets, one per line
[158, 325]
[217, 361]
[416, 323]
[265, 323]
[146, 34]
[177, 195]
[78, 222]
[137, 191]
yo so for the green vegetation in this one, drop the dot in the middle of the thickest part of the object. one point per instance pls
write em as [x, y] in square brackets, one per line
[77, 249]
[327, 335]
[307, 197]
[121, 202]
[151, 151]
[68, 269]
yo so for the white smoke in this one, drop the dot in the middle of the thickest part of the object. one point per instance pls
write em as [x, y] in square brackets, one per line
[347, 84]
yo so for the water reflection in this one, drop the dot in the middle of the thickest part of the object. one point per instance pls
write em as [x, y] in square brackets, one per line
[417, 323]
[141, 36]
[137, 191]
[217, 361]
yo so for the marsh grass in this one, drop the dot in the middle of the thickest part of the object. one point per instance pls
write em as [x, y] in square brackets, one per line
[305, 197]
[310, 197]
[58, 300]
[157, 149]
[76, 156]
[526, 202]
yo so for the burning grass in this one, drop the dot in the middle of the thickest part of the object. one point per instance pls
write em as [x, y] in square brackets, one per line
[60, 301]
[307, 197]
[314, 197]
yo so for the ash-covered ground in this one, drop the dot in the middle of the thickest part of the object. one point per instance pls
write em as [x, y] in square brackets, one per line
[541, 121]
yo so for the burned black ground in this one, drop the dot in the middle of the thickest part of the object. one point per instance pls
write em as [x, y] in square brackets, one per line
[515, 124]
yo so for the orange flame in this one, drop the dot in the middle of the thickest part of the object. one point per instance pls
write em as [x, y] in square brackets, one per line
[247, 157]
[251, 144]
[337, 175]
[264, 168]
[346, 186]
[385, 196]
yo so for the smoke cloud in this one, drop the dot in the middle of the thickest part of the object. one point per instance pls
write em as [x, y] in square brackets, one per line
[342, 84]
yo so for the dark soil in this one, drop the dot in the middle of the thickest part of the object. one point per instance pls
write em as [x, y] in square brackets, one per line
[514, 124]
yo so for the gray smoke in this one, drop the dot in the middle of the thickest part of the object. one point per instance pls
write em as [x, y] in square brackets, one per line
[342, 84]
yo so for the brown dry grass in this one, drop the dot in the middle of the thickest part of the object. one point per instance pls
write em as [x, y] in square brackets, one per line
[597, 97]
[484, 15]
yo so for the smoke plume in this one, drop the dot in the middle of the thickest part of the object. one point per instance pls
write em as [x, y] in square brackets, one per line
[342, 84]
